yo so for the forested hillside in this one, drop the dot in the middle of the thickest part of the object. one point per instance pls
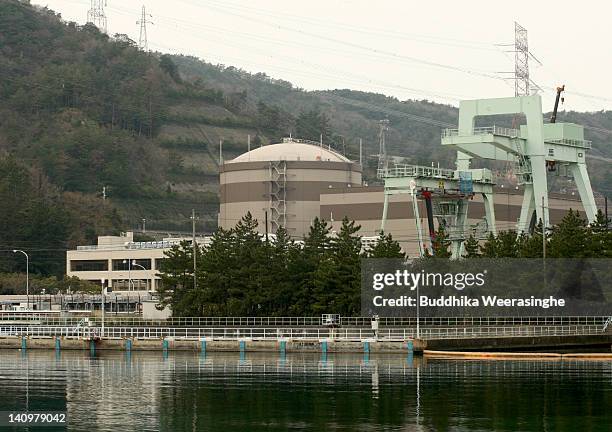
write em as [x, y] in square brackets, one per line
[82, 112]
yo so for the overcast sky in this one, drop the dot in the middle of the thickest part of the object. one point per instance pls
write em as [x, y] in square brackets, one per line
[437, 50]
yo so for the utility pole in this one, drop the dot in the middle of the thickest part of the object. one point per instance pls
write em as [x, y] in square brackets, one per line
[220, 152]
[144, 20]
[27, 274]
[361, 152]
[606, 210]
[144, 225]
[96, 15]
[543, 237]
[195, 247]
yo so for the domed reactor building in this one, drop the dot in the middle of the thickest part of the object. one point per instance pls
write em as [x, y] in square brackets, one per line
[284, 182]
[295, 181]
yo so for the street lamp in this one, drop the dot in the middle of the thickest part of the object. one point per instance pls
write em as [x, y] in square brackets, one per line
[129, 263]
[27, 274]
[138, 265]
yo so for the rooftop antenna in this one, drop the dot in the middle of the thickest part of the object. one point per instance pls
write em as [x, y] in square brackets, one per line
[142, 41]
[96, 15]
[383, 163]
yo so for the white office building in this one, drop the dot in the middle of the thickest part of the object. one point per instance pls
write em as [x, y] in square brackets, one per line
[120, 263]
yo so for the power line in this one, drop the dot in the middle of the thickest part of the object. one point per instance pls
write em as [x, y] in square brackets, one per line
[396, 56]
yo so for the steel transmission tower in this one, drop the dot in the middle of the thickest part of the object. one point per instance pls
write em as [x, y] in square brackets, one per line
[142, 41]
[383, 163]
[521, 61]
[96, 15]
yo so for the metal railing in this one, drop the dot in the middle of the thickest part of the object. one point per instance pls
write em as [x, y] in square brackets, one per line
[488, 130]
[586, 144]
[112, 320]
[307, 334]
[415, 171]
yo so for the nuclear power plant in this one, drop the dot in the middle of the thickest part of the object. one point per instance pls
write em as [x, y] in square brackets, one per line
[283, 183]
[290, 183]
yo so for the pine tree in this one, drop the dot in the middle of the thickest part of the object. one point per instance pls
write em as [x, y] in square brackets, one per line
[176, 287]
[216, 278]
[277, 285]
[471, 248]
[337, 279]
[599, 237]
[569, 238]
[507, 245]
[304, 265]
[530, 246]
[489, 248]
[250, 267]
[386, 247]
[441, 244]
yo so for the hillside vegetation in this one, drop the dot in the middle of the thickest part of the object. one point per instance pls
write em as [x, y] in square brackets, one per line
[82, 112]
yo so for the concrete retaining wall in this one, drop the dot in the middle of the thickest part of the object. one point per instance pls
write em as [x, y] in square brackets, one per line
[212, 345]
[535, 343]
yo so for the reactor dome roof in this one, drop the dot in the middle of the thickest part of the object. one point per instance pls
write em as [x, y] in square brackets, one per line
[291, 150]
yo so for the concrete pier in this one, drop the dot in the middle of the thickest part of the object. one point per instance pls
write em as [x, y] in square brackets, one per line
[601, 342]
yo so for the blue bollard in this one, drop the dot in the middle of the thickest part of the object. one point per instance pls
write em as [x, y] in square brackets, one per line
[165, 344]
[410, 346]
[24, 343]
[203, 346]
[324, 347]
[128, 345]
[242, 350]
[366, 347]
[92, 347]
[57, 344]
[283, 348]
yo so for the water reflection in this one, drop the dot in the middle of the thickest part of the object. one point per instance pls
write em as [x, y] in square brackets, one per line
[249, 391]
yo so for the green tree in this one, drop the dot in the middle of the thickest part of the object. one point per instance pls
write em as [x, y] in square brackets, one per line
[599, 237]
[176, 288]
[337, 278]
[312, 125]
[441, 244]
[386, 247]
[569, 237]
[531, 245]
[489, 248]
[471, 248]
[507, 245]
[305, 264]
[168, 66]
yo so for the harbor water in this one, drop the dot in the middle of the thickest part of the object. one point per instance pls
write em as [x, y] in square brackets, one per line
[178, 391]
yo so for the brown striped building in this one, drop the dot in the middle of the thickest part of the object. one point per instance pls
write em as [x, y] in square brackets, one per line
[365, 206]
[295, 181]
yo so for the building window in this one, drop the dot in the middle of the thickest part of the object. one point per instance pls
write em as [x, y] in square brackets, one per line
[88, 265]
[133, 264]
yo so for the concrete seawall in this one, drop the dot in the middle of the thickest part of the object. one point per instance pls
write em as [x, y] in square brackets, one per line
[602, 343]
[212, 345]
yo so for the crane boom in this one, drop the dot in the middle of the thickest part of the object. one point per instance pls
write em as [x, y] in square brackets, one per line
[553, 117]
